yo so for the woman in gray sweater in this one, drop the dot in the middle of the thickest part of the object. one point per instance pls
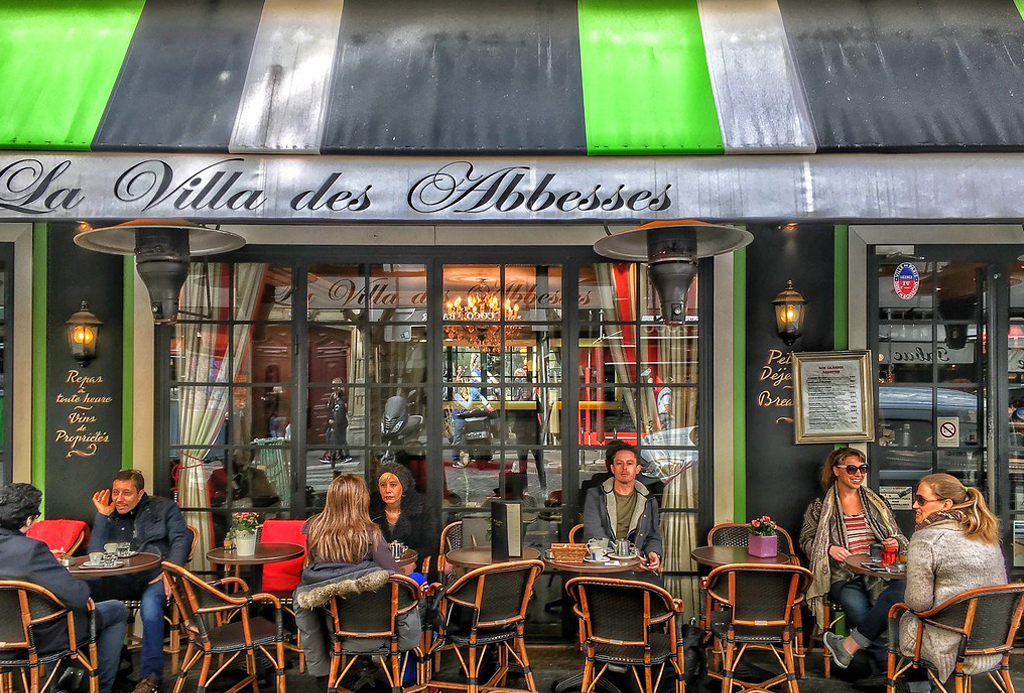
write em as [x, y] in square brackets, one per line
[955, 548]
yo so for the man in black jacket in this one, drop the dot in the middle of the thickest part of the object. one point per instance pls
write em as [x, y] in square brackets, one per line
[126, 513]
[22, 558]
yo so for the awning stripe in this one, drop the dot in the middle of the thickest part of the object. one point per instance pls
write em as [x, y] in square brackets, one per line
[760, 102]
[910, 75]
[285, 95]
[181, 81]
[646, 86]
[450, 76]
[58, 63]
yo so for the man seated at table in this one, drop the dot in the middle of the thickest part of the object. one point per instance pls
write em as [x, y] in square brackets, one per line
[622, 507]
[30, 560]
[126, 513]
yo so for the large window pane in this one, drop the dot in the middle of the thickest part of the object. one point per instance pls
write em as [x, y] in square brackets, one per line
[398, 293]
[335, 293]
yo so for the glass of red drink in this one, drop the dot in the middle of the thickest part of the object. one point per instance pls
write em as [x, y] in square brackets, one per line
[889, 554]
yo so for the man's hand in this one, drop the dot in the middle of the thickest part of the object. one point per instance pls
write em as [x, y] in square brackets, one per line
[891, 542]
[101, 499]
[653, 562]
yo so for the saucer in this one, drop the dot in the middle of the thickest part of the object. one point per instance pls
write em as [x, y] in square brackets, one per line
[588, 559]
[95, 566]
[627, 557]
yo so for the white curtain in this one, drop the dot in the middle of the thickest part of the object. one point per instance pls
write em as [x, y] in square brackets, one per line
[202, 410]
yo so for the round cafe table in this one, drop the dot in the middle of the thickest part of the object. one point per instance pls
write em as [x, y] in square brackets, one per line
[138, 563]
[716, 556]
[855, 562]
[472, 557]
[408, 558]
[270, 552]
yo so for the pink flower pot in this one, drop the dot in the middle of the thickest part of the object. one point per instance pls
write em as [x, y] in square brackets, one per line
[763, 547]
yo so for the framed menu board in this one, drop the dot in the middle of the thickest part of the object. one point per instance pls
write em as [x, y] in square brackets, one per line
[832, 403]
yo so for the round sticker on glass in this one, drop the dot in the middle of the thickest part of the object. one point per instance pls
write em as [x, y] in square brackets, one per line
[906, 280]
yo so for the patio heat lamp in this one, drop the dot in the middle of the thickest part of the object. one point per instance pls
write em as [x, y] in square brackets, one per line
[671, 250]
[162, 250]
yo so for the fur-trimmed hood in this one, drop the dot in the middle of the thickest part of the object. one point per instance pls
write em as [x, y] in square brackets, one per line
[322, 581]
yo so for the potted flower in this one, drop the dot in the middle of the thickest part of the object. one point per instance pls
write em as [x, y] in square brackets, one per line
[243, 531]
[763, 541]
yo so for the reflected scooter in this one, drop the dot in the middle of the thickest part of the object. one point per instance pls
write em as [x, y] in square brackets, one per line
[397, 426]
[480, 428]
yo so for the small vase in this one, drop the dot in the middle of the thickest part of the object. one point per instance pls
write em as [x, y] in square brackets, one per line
[245, 544]
[763, 546]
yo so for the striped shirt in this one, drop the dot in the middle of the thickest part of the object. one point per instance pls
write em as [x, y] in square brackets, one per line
[859, 536]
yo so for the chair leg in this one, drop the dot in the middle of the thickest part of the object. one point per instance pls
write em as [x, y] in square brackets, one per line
[1004, 675]
[472, 673]
[333, 673]
[799, 640]
[186, 664]
[727, 666]
[94, 669]
[521, 648]
[204, 672]
[825, 656]
[648, 682]
[787, 651]
[251, 670]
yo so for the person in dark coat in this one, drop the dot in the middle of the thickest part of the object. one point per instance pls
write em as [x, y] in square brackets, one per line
[30, 560]
[126, 513]
[403, 514]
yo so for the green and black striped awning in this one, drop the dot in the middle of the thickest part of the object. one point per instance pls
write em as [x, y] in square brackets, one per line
[536, 77]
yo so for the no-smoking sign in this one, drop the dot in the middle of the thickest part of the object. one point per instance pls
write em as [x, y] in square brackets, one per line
[947, 431]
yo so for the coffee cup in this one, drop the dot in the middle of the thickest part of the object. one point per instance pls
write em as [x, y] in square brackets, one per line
[110, 547]
[597, 549]
[96, 558]
[124, 549]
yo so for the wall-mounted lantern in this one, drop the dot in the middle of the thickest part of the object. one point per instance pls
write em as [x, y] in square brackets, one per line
[789, 314]
[83, 333]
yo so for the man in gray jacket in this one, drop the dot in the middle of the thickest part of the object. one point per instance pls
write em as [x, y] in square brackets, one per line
[624, 507]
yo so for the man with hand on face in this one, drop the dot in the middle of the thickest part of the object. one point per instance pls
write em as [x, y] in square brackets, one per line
[126, 513]
[622, 507]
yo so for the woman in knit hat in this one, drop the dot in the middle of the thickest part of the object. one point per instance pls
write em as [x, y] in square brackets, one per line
[403, 514]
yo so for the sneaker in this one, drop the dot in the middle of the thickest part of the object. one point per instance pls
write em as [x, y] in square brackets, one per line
[149, 684]
[457, 464]
[834, 644]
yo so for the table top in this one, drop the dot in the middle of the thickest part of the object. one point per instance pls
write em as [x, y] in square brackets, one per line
[715, 556]
[596, 568]
[855, 563]
[139, 563]
[479, 556]
[270, 552]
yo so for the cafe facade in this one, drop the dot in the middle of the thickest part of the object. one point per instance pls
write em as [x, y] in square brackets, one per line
[419, 195]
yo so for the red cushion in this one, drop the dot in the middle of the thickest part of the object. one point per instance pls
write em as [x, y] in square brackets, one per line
[283, 576]
[59, 534]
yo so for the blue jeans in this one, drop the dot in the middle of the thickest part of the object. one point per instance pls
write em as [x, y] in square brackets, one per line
[111, 624]
[867, 622]
[458, 425]
[152, 655]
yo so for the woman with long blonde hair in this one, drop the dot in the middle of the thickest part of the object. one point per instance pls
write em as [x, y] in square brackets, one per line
[346, 554]
[955, 548]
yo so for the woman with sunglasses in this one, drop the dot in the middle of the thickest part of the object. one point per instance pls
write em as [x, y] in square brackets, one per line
[847, 520]
[955, 548]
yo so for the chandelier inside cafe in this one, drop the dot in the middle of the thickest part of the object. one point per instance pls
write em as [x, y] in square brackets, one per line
[483, 306]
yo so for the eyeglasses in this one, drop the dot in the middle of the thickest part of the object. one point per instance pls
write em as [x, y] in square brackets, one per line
[852, 469]
[921, 500]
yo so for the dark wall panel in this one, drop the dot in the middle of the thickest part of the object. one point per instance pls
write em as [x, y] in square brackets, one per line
[452, 75]
[782, 477]
[910, 74]
[83, 405]
[182, 79]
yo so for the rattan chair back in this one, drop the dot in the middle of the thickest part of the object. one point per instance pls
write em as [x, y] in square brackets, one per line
[758, 594]
[497, 594]
[731, 534]
[618, 611]
[451, 537]
[576, 533]
[372, 615]
[987, 618]
[25, 606]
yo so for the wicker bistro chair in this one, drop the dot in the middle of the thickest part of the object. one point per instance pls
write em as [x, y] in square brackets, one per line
[986, 620]
[26, 608]
[373, 617]
[202, 607]
[451, 538]
[484, 607]
[736, 534]
[629, 623]
[758, 605]
[576, 533]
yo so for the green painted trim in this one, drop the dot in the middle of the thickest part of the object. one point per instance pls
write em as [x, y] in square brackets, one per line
[39, 358]
[739, 385]
[841, 274]
[128, 364]
[59, 60]
[1020, 7]
[641, 59]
